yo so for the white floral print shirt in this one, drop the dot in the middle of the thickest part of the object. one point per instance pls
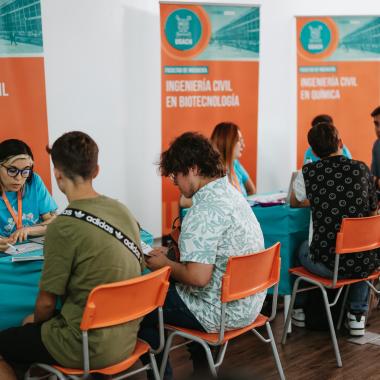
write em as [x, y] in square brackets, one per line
[220, 224]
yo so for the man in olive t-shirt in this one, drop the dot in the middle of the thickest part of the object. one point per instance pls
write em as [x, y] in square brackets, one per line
[78, 257]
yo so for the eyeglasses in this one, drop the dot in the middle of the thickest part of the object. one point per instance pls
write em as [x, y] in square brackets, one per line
[14, 172]
[172, 177]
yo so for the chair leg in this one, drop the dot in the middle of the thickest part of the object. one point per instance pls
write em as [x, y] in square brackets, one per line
[331, 325]
[153, 364]
[221, 353]
[289, 315]
[210, 358]
[165, 355]
[51, 371]
[287, 298]
[342, 309]
[275, 352]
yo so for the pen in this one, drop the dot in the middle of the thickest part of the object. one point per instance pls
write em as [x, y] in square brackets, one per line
[12, 246]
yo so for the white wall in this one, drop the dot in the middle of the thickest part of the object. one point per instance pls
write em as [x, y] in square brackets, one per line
[102, 60]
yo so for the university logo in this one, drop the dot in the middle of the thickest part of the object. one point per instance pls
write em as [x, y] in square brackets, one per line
[315, 37]
[183, 29]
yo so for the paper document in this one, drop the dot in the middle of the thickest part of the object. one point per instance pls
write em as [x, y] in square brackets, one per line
[146, 248]
[368, 337]
[267, 198]
[23, 248]
[39, 239]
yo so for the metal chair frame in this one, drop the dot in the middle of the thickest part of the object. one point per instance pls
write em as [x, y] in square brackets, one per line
[340, 249]
[214, 364]
[161, 293]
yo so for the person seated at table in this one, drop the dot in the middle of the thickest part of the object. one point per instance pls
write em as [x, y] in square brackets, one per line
[79, 255]
[336, 187]
[26, 206]
[228, 140]
[309, 154]
[207, 240]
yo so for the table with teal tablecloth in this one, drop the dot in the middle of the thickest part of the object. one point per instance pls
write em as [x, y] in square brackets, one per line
[289, 226]
[19, 287]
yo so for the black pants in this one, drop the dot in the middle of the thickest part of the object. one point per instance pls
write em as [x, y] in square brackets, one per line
[22, 346]
[175, 313]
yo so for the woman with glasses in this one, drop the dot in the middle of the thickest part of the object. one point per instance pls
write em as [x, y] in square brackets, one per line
[25, 204]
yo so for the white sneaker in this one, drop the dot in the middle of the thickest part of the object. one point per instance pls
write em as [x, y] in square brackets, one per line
[298, 317]
[355, 324]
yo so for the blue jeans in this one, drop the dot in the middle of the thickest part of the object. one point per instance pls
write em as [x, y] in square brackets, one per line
[175, 313]
[358, 295]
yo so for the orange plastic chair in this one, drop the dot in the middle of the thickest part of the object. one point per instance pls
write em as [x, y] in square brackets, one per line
[356, 235]
[106, 307]
[245, 275]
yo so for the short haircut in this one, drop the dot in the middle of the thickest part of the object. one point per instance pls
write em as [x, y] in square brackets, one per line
[323, 139]
[375, 112]
[323, 118]
[76, 154]
[189, 150]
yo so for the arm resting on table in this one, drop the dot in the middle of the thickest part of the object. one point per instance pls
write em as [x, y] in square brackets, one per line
[294, 202]
[40, 229]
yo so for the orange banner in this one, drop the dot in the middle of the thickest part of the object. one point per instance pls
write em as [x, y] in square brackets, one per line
[209, 75]
[23, 108]
[338, 75]
[22, 81]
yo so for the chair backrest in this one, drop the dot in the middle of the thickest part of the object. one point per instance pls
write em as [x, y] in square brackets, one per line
[250, 274]
[123, 301]
[358, 234]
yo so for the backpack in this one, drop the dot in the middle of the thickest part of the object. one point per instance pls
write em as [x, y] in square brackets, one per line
[315, 311]
[173, 249]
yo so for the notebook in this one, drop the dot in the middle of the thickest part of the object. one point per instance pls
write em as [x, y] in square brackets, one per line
[28, 256]
[23, 248]
[26, 252]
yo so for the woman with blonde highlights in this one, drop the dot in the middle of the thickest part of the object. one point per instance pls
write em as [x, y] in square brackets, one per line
[228, 140]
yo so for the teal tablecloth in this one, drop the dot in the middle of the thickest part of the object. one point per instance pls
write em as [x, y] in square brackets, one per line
[18, 290]
[19, 287]
[289, 226]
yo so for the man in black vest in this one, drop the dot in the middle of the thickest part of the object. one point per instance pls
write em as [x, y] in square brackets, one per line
[335, 188]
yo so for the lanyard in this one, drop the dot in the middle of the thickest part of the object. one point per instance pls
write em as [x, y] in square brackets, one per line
[16, 217]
